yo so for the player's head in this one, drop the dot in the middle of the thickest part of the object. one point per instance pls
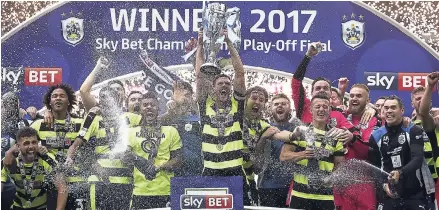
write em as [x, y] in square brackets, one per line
[321, 85]
[117, 85]
[393, 110]
[320, 107]
[60, 98]
[336, 98]
[109, 98]
[149, 106]
[27, 141]
[358, 99]
[281, 108]
[133, 101]
[255, 99]
[222, 87]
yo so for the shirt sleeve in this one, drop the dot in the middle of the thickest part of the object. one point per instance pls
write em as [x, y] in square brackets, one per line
[339, 149]
[301, 102]
[37, 125]
[416, 150]
[175, 139]
[5, 174]
[89, 127]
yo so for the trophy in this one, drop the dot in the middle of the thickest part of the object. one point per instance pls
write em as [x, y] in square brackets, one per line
[216, 18]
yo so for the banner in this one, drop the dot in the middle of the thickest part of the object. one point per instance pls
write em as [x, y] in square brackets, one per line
[358, 43]
[207, 192]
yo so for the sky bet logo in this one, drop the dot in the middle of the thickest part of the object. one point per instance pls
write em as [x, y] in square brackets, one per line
[206, 201]
[395, 81]
[42, 76]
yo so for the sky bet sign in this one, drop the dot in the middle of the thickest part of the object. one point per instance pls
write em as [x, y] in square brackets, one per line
[207, 193]
[395, 81]
[205, 198]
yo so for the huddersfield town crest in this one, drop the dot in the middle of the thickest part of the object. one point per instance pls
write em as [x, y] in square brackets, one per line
[353, 33]
[73, 30]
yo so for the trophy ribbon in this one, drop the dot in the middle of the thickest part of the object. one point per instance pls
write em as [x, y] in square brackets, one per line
[155, 68]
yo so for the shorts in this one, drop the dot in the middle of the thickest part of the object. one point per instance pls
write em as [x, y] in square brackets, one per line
[149, 202]
[110, 196]
[310, 204]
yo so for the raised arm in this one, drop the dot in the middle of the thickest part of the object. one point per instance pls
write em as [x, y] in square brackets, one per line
[87, 99]
[301, 103]
[201, 79]
[425, 106]
[239, 80]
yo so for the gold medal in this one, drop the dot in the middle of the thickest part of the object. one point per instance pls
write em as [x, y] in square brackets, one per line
[220, 147]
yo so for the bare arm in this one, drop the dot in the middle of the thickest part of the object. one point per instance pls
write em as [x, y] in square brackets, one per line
[73, 148]
[424, 109]
[62, 192]
[200, 78]
[287, 154]
[9, 159]
[175, 162]
[87, 99]
[239, 80]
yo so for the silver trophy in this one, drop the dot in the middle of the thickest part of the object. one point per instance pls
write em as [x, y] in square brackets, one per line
[216, 18]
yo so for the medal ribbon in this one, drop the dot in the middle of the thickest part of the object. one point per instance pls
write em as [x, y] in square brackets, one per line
[221, 119]
[28, 184]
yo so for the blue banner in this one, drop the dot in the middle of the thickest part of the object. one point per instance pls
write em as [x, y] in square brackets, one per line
[207, 192]
[275, 36]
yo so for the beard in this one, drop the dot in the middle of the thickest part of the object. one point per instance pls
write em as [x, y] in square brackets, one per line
[282, 117]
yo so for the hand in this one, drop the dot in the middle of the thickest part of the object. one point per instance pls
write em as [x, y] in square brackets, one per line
[312, 51]
[96, 110]
[48, 118]
[69, 162]
[270, 132]
[436, 121]
[21, 113]
[367, 115]
[346, 136]
[42, 150]
[13, 150]
[308, 153]
[151, 172]
[200, 36]
[387, 190]
[191, 44]
[32, 112]
[225, 33]
[102, 63]
[297, 133]
[432, 79]
[334, 132]
[394, 175]
[343, 83]
[406, 121]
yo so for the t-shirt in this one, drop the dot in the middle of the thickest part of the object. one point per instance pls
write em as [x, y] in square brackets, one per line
[38, 198]
[141, 146]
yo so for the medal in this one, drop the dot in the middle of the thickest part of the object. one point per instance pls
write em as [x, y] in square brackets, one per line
[28, 184]
[220, 147]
